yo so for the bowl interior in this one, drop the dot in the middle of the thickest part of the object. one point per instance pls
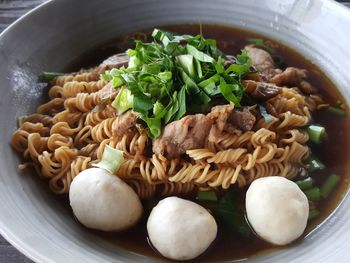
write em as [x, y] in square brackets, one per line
[55, 35]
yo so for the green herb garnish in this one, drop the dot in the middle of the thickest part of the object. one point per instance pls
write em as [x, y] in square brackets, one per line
[261, 43]
[176, 75]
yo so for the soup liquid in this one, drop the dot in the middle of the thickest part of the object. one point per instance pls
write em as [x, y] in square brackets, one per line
[333, 153]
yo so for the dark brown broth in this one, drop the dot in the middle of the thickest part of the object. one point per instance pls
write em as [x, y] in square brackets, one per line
[333, 153]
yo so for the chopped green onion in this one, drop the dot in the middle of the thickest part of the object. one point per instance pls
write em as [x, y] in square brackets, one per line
[314, 164]
[313, 194]
[329, 185]
[313, 213]
[305, 184]
[336, 111]
[49, 76]
[206, 196]
[316, 133]
[111, 160]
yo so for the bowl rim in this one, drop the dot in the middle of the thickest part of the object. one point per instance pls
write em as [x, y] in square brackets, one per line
[7, 233]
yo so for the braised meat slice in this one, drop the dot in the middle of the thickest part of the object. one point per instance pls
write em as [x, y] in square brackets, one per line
[244, 120]
[261, 59]
[261, 91]
[188, 133]
[219, 115]
[290, 76]
[116, 61]
[262, 62]
[193, 131]
[108, 91]
[293, 77]
[124, 123]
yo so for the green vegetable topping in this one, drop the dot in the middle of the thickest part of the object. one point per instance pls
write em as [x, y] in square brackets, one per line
[228, 212]
[329, 185]
[313, 194]
[243, 64]
[317, 134]
[305, 184]
[336, 111]
[206, 196]
[314, 164]
[49, 76]
[176, 75]
[112, 159]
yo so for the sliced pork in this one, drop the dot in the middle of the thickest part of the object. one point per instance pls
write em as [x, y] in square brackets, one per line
[219, 116]
[107, 92]
[243, 120]
[124, 123]
[293, 77]
[188, 133]
[193, 131]
[116, 61]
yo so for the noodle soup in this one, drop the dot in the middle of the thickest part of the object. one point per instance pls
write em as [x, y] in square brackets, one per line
[256, 110]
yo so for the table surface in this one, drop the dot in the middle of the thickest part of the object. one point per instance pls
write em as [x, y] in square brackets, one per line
[10, 10]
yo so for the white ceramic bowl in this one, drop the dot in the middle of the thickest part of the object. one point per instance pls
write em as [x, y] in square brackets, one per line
[53, 35]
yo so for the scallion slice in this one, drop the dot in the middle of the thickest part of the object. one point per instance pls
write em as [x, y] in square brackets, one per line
[111, 160]
[305, 184]
[329, 185]
[314, 164]
[336, 111]
[313, 194]
[316, 133]
[206, 196]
